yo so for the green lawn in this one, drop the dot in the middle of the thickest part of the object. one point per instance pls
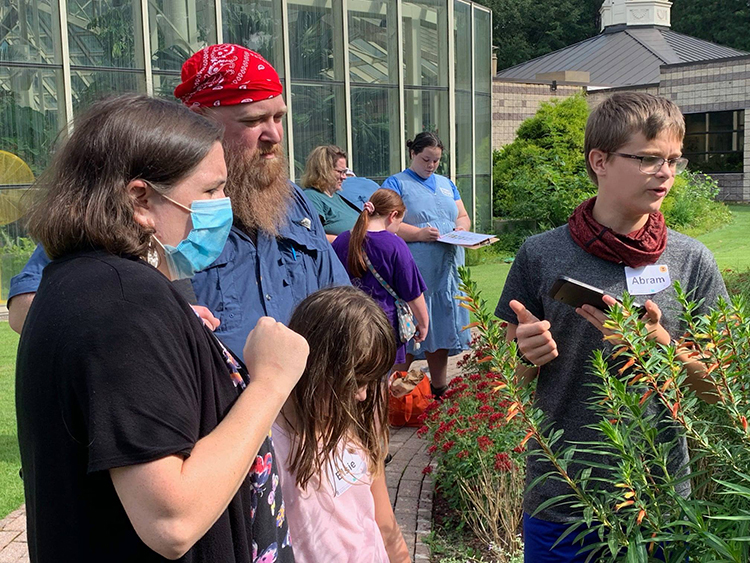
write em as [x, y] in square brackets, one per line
[731, 244]
[11, 487]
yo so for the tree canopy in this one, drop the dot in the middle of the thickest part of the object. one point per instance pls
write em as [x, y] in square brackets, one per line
[525, 29]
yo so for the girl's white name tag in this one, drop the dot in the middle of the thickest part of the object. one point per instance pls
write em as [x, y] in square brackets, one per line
[648, 279]
[347, 471]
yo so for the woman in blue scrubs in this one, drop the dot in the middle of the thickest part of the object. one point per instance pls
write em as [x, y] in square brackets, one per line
[434, 208]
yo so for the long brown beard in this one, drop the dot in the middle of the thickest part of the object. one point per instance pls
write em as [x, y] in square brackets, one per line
[258, 187]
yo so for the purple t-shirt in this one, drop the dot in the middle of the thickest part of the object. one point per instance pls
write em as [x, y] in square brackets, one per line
[393, 261]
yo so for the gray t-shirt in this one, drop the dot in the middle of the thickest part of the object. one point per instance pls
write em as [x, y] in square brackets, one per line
[563, 389]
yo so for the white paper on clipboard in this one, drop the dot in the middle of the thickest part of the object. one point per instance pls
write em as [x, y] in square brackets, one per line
[466, 238]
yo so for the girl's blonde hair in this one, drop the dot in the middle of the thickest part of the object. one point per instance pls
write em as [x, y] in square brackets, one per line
[320, 168]
[385, 202]
[351, 346]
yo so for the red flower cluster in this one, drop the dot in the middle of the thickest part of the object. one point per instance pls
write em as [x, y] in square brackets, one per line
[484, 443]
[503, 462]
[427, 470]
[448, 445]
[462, 454]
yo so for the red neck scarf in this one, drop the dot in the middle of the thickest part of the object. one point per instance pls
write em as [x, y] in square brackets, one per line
[636, 249]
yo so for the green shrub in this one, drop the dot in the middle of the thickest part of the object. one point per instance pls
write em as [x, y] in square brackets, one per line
[637, 505]
[542, 174]
[691, 207]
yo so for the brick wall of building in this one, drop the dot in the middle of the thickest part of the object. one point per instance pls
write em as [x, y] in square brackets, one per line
[512, 103]
[720, 85]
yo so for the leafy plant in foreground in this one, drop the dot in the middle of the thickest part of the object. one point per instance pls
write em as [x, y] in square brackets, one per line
[630, 486]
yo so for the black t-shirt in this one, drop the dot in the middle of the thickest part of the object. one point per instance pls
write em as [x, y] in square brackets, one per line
[115, 369]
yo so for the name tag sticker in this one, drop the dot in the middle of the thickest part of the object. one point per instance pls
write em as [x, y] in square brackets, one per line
[447, 192]
[648, 279]
[347, 471]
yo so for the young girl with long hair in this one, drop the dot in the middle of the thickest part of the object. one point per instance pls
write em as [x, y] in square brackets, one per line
[374, 237]
[327, 437]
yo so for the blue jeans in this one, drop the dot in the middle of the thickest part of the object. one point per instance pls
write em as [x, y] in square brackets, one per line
[539, 536]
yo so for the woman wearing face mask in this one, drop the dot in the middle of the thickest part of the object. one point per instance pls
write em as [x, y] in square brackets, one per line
[434, 208]
[141, 437]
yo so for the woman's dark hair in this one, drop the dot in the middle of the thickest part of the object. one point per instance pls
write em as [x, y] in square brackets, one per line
[385, 202]
[422, 141]
[84, 199]
[352, 345]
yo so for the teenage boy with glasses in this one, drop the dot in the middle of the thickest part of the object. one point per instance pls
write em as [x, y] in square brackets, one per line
[633, 151]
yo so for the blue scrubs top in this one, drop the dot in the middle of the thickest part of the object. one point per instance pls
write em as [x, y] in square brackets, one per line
[432, 202]
[248, 280]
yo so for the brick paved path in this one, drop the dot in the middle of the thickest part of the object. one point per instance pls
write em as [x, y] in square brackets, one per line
[410, 492]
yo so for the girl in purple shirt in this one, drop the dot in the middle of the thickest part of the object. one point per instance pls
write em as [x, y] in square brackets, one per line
[374, 235]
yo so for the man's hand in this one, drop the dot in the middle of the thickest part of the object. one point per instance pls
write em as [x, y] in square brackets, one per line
[207, 317]
[533, 336]
[652, 319]
[275, 355]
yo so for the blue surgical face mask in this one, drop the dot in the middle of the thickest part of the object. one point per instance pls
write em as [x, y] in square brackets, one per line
[212, 220]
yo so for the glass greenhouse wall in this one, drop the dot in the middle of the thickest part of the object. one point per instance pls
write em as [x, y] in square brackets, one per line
[363, 74]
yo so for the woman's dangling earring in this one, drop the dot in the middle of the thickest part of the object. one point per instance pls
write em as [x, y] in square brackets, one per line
[152, 256]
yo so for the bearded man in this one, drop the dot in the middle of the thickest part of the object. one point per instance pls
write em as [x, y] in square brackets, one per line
[276, 253]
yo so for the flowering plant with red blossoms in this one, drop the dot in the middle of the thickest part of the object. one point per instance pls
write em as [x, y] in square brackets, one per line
[476, 439]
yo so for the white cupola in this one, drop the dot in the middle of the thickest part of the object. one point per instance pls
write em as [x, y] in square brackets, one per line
[635, 12]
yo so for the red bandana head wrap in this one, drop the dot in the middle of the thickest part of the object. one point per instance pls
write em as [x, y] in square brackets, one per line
[636, 249]
[226, 75]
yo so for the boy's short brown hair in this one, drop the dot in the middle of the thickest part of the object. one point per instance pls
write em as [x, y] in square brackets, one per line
[614, 121]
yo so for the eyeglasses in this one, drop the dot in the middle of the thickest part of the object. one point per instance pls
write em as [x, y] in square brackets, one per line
[340, 172]
[652, 164]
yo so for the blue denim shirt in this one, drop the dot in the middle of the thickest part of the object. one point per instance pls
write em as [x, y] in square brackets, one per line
[248, 280]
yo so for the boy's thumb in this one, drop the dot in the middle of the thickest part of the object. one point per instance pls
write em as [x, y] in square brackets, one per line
[524, 315]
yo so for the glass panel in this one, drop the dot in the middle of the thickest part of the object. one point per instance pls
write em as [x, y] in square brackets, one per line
[318, 119]
[29, 31]
[257, 26]
[164, 85]
[179, 28]
[464, 134]
[425, 29]
[720, 142]
[695, 123]
[30, 118]
[105, 33]
[482, 47]
[316, 45]
[463, 183]
[483, 135]
[716, 162]
[483, 221]
[372, 41]
[721, 121]
[463, 46]
[90, 86]
[427, 110]
[375, 152]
